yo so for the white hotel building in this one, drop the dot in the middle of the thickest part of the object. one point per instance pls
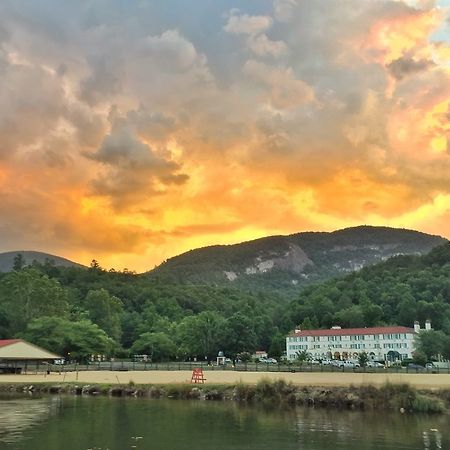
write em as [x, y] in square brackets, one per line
[380, 343]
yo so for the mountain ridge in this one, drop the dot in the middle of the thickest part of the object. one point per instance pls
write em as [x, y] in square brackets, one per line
[7, 259]
[274, 262]
[288, 261]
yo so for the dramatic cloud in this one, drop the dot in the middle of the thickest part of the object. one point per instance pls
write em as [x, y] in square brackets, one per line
[134, 169]
[405, 66]
[131, 131]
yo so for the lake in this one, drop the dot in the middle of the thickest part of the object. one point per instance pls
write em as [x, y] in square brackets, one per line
[102, 423]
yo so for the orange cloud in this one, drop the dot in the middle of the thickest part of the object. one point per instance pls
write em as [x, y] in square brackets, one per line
[144, 140]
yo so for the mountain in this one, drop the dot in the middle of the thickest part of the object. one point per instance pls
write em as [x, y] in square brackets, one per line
[7, 259]
[288, 262]
[398, 291]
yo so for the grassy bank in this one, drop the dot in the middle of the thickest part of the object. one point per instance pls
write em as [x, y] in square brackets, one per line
[400, 397]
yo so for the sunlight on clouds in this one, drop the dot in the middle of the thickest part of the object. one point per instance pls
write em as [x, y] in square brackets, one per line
[131, 137]
[426, 217]
[399, 35]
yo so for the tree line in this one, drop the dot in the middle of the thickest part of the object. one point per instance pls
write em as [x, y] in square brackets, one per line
[77, 312]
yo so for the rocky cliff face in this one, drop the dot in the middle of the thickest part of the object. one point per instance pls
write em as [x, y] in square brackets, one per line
[285, 262]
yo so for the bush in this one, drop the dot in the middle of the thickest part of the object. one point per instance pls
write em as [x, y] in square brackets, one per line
[426, 404]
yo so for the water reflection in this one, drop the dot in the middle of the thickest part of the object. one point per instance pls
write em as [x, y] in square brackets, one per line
[78, 423]
[348, 429]
[432, 439]
[17, 415]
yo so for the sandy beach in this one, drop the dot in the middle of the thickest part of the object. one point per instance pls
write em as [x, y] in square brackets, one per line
[426, 381]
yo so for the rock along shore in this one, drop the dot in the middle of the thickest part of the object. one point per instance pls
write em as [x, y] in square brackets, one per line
[400, 397]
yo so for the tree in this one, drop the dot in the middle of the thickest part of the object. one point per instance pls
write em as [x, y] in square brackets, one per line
[201, 335]
[431, 343]
[419, 357]
[158, 346]
[245, 357]
[351, 317]
[28, 294]
[277, 345]
[19, 262]
[95, 265]
[105, 310]
[4, 323]
[363, 359]
[302, 356]
[239, 334]
[307, 324]
[73, 340]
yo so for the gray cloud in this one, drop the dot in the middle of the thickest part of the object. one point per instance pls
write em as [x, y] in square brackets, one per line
[133, 168]
[404, 66]
[297, 93]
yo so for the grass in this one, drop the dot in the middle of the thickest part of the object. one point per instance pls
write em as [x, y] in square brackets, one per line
[397, 397]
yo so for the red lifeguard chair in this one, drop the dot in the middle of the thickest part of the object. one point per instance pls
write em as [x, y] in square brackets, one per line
[197, 376]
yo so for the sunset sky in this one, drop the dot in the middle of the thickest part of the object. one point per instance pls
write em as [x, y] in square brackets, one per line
[134, 130]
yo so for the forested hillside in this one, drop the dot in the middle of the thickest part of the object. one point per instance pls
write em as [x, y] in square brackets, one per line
[398, 291]
[87, 311]
[285, 263]
[91, 311]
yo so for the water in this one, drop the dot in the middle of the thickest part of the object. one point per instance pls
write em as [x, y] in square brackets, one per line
[79, 423]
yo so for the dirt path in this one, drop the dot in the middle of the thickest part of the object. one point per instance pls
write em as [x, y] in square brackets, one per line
[228, 377]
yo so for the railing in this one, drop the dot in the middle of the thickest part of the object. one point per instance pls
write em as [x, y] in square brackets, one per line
[127, 365]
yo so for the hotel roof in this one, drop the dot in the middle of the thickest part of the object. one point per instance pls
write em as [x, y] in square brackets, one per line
[353, 331]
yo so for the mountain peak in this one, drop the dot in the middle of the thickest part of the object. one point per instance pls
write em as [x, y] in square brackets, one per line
[7, 259]
[290, 261]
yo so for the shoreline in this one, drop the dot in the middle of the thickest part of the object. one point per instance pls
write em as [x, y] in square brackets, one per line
[339, 391]
[336, 379]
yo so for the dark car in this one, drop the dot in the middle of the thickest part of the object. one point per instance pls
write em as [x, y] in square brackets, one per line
[416, 367]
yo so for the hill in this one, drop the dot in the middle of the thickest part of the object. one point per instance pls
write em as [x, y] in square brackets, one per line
[7, 259]
[398, 291]
[94, 311]
[289, 262]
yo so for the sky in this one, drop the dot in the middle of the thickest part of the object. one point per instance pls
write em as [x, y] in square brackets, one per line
[134, 130]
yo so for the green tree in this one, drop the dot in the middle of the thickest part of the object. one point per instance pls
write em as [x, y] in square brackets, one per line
[73, 340]
[419, 357]
[363, 359]
[200, 335]
[245, 357]
[105, 310]
[431, 343]
[158, 346]
[19, 262]
[28, 294]
[277, 346]
[351, 317]
[302, 356]
[239, 334]
[307, 324]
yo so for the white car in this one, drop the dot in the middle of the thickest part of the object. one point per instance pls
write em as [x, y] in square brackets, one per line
[375, 365]
[348, 364]
[326, 362]
[268, 360]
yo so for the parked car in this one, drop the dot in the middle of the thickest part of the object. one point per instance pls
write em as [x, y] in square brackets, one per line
[375, 365]
[348, 364]
[326, 362]
[417, 367]
[268, 360]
